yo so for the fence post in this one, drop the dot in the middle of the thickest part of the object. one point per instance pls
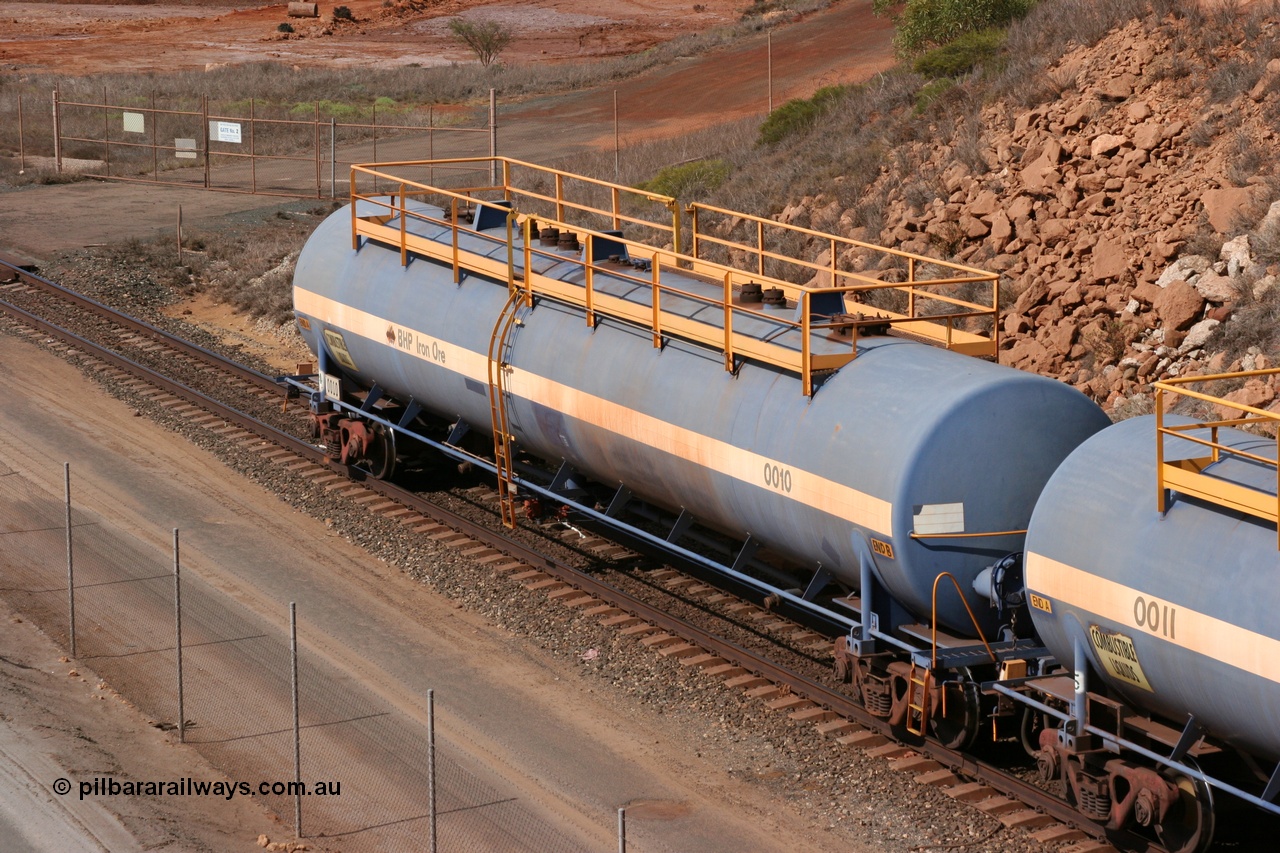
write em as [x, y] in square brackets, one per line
[616, 155]
[297, 740]
[204, 110]
[22, 148]
[622, 830]
[431, 767]
[57, 133]
[106, 131]
[177, 622]
[493, 137]
[333, 158]
[155, 142]
[315, 125]
[71, 574]
[769, 72]
[253, 148]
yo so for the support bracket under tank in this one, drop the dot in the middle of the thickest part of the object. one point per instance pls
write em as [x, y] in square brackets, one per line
[457, 431]
[817, 583]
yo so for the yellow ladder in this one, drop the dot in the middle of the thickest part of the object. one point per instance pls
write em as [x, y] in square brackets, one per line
[498, 368]
[918, 713]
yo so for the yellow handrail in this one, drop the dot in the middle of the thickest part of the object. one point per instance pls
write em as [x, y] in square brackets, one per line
[968, 609]
[1186, 475]
[944, 328]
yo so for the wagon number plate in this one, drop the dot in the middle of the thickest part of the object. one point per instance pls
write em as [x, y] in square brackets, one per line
[332, 386]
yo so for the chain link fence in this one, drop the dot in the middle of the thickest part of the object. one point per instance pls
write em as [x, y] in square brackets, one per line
[236, 689]
[306, 150]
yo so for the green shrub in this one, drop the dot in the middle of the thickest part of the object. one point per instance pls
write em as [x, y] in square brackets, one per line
[922, 23]
[962, 55]
[799, 114]
[342, 13]
[334, 109]
[487, 39]
[689, 180]
[285, 28]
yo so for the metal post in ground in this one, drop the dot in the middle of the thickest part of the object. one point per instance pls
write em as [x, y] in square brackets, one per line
[253, 147]
[622, 830]
[106, 132]
[493, 137]
[22, 148]
[616, 156]
[769, 43]
[316, 126]
[297, 739]
[155, 142]
[431, 767]
[71, 572]
[204, 112]
[57, 133]
[177, 623]
[333, 157]
[179, 235]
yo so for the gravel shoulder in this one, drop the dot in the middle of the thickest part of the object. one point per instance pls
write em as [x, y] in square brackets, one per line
[57, 720]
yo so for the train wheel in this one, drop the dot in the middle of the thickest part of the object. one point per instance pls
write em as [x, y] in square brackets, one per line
[958, 728]
[380, 458]
[1188, 825]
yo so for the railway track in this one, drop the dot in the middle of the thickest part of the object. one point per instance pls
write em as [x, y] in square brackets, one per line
[146, 368]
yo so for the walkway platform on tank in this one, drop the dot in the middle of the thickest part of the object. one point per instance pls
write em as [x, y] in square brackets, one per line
[616, 261]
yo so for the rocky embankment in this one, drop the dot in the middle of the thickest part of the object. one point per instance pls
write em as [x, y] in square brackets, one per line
[1129, 212]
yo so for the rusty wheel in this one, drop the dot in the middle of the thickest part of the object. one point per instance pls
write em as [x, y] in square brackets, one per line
[958, 728]
[1188, 826]
[380, 456]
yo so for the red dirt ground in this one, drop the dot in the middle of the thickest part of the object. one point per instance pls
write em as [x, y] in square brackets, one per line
[79, 38]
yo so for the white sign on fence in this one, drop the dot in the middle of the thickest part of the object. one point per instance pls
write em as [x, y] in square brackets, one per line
[134, 123]
[224, 131]
[186, 149]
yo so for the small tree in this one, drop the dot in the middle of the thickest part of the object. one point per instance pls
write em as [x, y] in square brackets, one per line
[487, 39]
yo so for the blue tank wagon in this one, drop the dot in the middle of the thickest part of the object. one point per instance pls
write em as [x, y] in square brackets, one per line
[1173, 611]
[891, 464]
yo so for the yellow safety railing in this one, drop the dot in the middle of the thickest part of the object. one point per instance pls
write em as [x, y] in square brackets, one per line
[658, 245]
[1186, 475]
[925, 277]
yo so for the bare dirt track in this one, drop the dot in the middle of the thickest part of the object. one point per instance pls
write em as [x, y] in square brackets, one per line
[79, 38]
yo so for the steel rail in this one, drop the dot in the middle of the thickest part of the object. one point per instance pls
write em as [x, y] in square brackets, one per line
[839, 703]
[134, 324]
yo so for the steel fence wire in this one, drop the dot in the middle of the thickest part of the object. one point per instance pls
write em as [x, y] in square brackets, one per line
[237, 689]
[243, 145]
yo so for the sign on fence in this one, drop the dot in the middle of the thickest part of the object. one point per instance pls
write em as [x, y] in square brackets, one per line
[186, 149]
[224, 131]
[135, 123]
